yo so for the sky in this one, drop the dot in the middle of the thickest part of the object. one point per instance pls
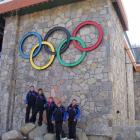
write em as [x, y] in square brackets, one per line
[132, 8]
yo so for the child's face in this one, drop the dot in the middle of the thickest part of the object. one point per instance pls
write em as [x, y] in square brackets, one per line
[40, 92]
[50, 99]
[74, 102]
[31, 88]
[59, 104]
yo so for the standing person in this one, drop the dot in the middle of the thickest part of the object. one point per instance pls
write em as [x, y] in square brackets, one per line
[39, 107]
[73, 113]
[30, 102]
[50, 107]
[58, 117]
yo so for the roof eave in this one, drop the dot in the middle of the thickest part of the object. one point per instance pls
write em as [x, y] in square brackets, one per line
[26, 6]
[118, 5]
[16, 5]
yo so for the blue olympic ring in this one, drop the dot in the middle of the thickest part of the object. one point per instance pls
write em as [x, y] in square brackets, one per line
[21, 44]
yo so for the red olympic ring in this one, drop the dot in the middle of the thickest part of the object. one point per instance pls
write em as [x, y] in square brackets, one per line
[100, 35]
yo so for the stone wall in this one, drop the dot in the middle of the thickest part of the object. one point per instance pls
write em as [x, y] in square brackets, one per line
[121, 74]
[7, 73]
[137, 95]
[130, 91]
[100, 78]
[118, 70]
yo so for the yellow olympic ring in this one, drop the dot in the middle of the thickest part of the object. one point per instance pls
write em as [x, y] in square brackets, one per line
[46, 44]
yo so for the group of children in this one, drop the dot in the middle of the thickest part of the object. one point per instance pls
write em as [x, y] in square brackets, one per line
[56, 113]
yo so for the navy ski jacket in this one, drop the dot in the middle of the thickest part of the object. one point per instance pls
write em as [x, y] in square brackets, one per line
[73, 112]
[31, 98]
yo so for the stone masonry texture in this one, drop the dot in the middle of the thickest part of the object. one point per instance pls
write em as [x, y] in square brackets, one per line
[137, 95]
[98, 83]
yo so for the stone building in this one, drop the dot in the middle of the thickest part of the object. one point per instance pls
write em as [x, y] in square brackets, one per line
[106, 83]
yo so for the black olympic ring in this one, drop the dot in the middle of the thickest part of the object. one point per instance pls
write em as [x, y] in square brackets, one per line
[51, 31]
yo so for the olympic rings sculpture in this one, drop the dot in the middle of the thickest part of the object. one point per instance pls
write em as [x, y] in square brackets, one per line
[63, 46]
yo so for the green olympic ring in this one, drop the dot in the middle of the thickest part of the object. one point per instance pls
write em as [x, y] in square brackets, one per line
[75, 63]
